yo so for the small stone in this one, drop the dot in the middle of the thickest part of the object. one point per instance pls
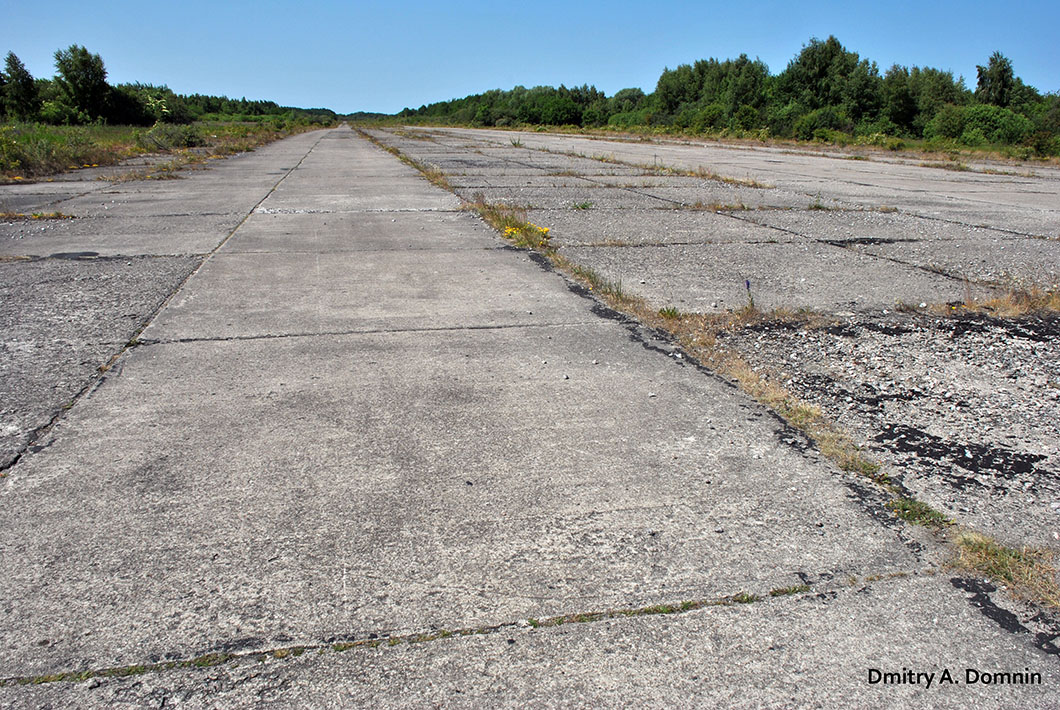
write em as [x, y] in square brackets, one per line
[566, 377]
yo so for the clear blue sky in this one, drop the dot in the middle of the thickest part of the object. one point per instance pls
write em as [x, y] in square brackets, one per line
[383, 56]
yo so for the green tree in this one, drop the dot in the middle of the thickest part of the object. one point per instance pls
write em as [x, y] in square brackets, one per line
[818, 76]
[626, 100]
[20, 94]
[676, 87]
[996, 81]
[82, 80]
[899, 104]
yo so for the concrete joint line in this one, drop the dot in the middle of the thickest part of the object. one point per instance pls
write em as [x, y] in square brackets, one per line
[376, 640]
[877, 257]
[367, 331]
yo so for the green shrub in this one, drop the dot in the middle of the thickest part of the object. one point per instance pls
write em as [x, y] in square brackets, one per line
[59, 113]
[166, 136]
[708, 118]
[996, 124]
[745, 118]
[948, 122]
[807, 126]
[973, 137]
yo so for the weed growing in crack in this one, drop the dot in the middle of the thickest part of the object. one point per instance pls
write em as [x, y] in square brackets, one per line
[715, 206]
[582, 206]
[918, 513]
[13, 216]
[787, 591]
[818, 205]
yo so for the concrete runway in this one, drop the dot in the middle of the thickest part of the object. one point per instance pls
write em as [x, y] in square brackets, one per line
[348, 448]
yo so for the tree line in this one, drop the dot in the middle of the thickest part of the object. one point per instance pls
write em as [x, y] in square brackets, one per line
[825, 93]
[79, 94]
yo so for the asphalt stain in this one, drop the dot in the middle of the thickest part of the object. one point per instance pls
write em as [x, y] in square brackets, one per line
[980, 599]
[977, 459]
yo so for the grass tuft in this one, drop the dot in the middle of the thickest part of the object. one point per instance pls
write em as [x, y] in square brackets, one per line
[1029, 573]
[917, 512]
[1015, 303]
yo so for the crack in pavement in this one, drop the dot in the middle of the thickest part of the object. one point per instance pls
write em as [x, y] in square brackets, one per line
[371, 640]
[365, 331]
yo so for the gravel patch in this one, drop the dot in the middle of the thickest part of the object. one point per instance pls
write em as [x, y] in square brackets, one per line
[963, 411]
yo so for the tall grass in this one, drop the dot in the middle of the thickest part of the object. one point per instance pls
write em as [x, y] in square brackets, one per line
[29, 150]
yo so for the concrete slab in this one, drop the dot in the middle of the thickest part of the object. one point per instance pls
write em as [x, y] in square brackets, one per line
[243, 295]
[965, 251]
[723, 194]
[603, 227]
[865, 225]
[743, 656]
[410, 194]
[114, 235]
[565, 197]
[401, 481]
[334, 232]
[1018, 263]
[484, 181]
[711, 277]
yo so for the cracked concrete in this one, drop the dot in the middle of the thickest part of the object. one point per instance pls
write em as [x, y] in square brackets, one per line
[365, 417]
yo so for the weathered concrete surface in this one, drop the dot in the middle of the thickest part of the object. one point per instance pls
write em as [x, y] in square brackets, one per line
[412, 427]
[958, 407]
[62, 319]
[814, 651]
[1030, 205]
[74, 291]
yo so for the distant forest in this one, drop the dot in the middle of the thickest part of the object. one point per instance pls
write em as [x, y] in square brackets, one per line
[79, 94]
[826, 93]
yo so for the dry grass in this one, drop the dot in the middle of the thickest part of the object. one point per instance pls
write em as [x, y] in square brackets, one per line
[1016, 303]
[706, 174]
[660, 169]
[943, 165]
[1029, 573]
[716, 207]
